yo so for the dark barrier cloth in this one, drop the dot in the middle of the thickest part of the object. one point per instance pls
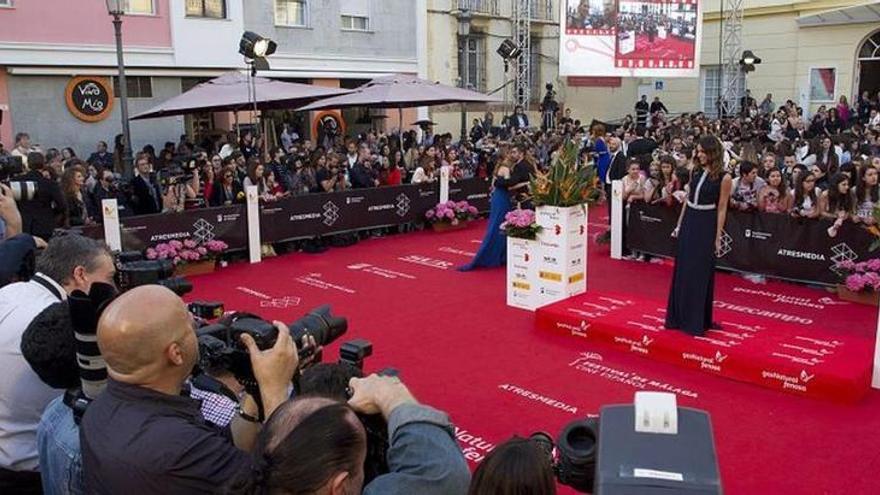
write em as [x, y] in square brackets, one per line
[358, 209]
[766, 243]
[300, 217]
[224, 223]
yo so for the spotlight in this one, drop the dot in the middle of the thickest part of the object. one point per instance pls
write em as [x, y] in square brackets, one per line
[254, 46]
[749, 58]
[508, 50]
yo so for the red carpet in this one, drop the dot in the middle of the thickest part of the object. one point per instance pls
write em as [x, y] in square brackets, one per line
[461, 349]
[671, 48]
[824, 364]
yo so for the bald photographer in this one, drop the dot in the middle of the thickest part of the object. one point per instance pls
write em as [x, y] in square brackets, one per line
[141, 435]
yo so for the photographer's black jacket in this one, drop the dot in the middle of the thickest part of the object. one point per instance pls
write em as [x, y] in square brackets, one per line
[41, 215]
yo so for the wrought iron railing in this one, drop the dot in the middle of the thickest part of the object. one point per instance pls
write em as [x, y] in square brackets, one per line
[480, 6]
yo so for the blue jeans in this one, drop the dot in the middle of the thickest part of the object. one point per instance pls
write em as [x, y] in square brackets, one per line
[58, 446]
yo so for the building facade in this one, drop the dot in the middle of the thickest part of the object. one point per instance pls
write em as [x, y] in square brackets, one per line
[472, 60]
[813, 52]
[172, 45]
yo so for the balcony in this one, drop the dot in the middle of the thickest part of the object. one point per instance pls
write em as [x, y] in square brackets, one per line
[489, 7]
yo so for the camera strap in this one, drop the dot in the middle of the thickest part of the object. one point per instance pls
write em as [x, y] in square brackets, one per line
[210, 384]
[50, 286]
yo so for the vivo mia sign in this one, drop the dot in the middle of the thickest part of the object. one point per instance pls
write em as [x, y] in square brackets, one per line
[89, 98]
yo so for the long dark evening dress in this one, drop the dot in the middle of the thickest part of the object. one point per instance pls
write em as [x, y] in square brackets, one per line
[693, 283]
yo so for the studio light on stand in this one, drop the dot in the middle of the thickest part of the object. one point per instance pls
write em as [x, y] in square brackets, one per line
[255, 50]
[508, 51]
[747, 63]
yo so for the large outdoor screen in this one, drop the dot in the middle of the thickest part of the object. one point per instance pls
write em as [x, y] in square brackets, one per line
[624, 38]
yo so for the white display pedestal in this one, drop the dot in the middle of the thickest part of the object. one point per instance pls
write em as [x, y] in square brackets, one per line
[562, 267]
[627, 42]
[522, 274]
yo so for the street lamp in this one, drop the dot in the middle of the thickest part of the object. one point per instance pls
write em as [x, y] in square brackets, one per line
[464, 30]
[116, 8]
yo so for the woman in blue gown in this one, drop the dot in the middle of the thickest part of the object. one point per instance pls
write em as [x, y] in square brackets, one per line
[699, 231]
[493, 250]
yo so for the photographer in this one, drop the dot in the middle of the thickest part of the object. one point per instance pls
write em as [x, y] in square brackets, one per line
[69, 263]
[332, 178]
[49, 346]
[140, 435]
[43, 206]
[317, 445]
[146, 195]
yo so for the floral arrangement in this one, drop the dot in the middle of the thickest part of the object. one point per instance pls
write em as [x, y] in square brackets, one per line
[566, 182]
[187, 250]
[451, 212]
[521, 224]
[860, 277]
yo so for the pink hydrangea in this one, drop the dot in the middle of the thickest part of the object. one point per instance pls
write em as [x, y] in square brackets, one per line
[175, 244]
[201, 250]
[152, 254]
[189, 244]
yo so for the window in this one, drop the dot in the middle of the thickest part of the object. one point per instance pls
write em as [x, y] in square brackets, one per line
[471, 65]
[542, 9]
[214, 9]
[5, 3]
[291, 12]
[139, 7]
[537, 88]
[711, 82]
[822, 84]
[355, 23]
[138, 86]
[355, 14]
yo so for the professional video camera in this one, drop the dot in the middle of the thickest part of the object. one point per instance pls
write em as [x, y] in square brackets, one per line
[220, 344]
[132, 270]
[549, 108]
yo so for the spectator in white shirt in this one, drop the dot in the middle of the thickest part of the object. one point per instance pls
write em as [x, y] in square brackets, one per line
[69, 263]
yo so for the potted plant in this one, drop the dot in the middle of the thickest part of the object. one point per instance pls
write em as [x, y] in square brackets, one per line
[451, 215]
[521, 229]
[190, 257]
[861, 281]
[521, 224]
[561, 195]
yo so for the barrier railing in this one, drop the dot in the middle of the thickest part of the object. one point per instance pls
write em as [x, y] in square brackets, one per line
[775, 245]
[295, 218]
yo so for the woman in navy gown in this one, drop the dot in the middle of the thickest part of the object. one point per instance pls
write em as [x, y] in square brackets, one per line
[699, 231]
[493, 250]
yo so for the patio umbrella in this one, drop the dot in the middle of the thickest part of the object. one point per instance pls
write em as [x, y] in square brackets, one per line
[230, 92]
[401, 91]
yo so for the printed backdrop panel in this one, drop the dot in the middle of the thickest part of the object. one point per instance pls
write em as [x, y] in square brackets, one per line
[626, 38]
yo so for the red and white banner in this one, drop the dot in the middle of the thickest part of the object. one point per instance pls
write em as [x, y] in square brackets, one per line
[625, 38]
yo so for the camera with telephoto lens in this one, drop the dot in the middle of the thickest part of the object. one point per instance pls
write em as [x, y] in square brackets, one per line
[574, 453]
[220, 346]
[132, 270]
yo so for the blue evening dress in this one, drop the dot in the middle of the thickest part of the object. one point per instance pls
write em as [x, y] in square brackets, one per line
[493, 250]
